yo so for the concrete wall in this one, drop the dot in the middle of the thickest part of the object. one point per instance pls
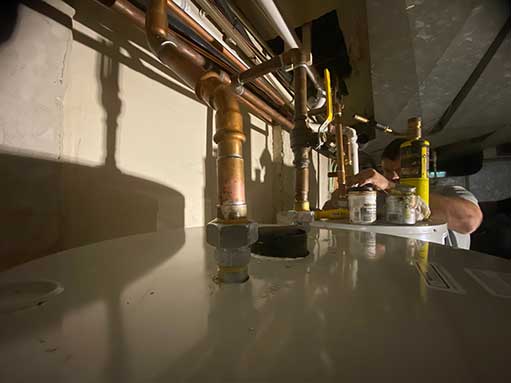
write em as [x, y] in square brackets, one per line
[99, 140]
[491, 183]
[423, 52]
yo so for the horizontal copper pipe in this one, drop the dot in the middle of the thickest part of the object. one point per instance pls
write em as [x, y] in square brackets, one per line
[197, 28]
[129, 10]
[261, 108]
[253, 102]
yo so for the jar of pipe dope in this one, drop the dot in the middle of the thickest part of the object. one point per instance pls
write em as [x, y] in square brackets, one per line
[362, 204]
[400, 205]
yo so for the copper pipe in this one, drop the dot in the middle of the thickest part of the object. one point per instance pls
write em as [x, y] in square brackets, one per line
[253, 102]
[278, 62]
[229, 137]
[341, 171]
[252, 74]
[214, 89]
[300, 85]
[197, 28]
[250, 99]
[301, 164]
[301, 149]
[171, 49]
[127, 9]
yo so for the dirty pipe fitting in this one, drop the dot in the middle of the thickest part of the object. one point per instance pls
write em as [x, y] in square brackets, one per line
[231, 232]
[301, 138]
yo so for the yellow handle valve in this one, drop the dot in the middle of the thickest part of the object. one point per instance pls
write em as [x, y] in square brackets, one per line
[329, 102]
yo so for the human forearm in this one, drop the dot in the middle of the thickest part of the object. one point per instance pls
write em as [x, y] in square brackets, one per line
[461, 215]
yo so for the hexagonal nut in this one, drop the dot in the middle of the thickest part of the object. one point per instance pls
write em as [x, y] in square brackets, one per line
[301, 217]
[230, 236]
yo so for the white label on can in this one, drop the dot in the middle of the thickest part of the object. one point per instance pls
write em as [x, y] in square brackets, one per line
[362, 208]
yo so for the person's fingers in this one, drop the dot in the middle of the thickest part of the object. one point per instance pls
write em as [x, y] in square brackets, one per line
[363, 178]
[350, 181]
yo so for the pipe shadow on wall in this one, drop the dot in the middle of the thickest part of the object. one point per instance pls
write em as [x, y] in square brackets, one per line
[47, 205]
[113, 27]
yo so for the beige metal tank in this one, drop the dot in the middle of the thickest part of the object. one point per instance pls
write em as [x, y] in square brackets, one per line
[357, 309]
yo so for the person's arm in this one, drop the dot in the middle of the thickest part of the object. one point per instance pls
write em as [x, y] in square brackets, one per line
[366, 176]
[460, 214]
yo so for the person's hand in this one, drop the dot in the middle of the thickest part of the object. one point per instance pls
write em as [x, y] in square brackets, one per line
[371, 176]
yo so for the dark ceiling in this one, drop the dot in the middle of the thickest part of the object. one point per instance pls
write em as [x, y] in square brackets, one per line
[423, 53]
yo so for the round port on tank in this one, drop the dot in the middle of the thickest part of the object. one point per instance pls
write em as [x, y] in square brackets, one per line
[281, 241]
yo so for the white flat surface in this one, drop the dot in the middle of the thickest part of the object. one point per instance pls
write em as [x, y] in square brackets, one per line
[145, 309]
[426, 230]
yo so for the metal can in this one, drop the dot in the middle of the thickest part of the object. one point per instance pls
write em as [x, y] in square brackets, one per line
[362, 204]
[400, 205]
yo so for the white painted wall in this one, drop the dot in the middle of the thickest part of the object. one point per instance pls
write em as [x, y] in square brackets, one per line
[99, 141]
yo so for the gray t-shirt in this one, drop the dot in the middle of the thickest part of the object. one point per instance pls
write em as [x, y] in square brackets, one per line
[462, 240]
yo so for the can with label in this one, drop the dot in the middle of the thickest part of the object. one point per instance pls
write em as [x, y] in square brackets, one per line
[362, 204]
[400, 205]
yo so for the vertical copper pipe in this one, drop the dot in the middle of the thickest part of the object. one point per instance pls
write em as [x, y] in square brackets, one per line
[341, 171]
[301, 163]
[229, 137]
[212, 88]
[301, 150]
[300, 85]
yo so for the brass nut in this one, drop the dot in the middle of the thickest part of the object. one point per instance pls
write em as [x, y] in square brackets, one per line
[231, 236]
